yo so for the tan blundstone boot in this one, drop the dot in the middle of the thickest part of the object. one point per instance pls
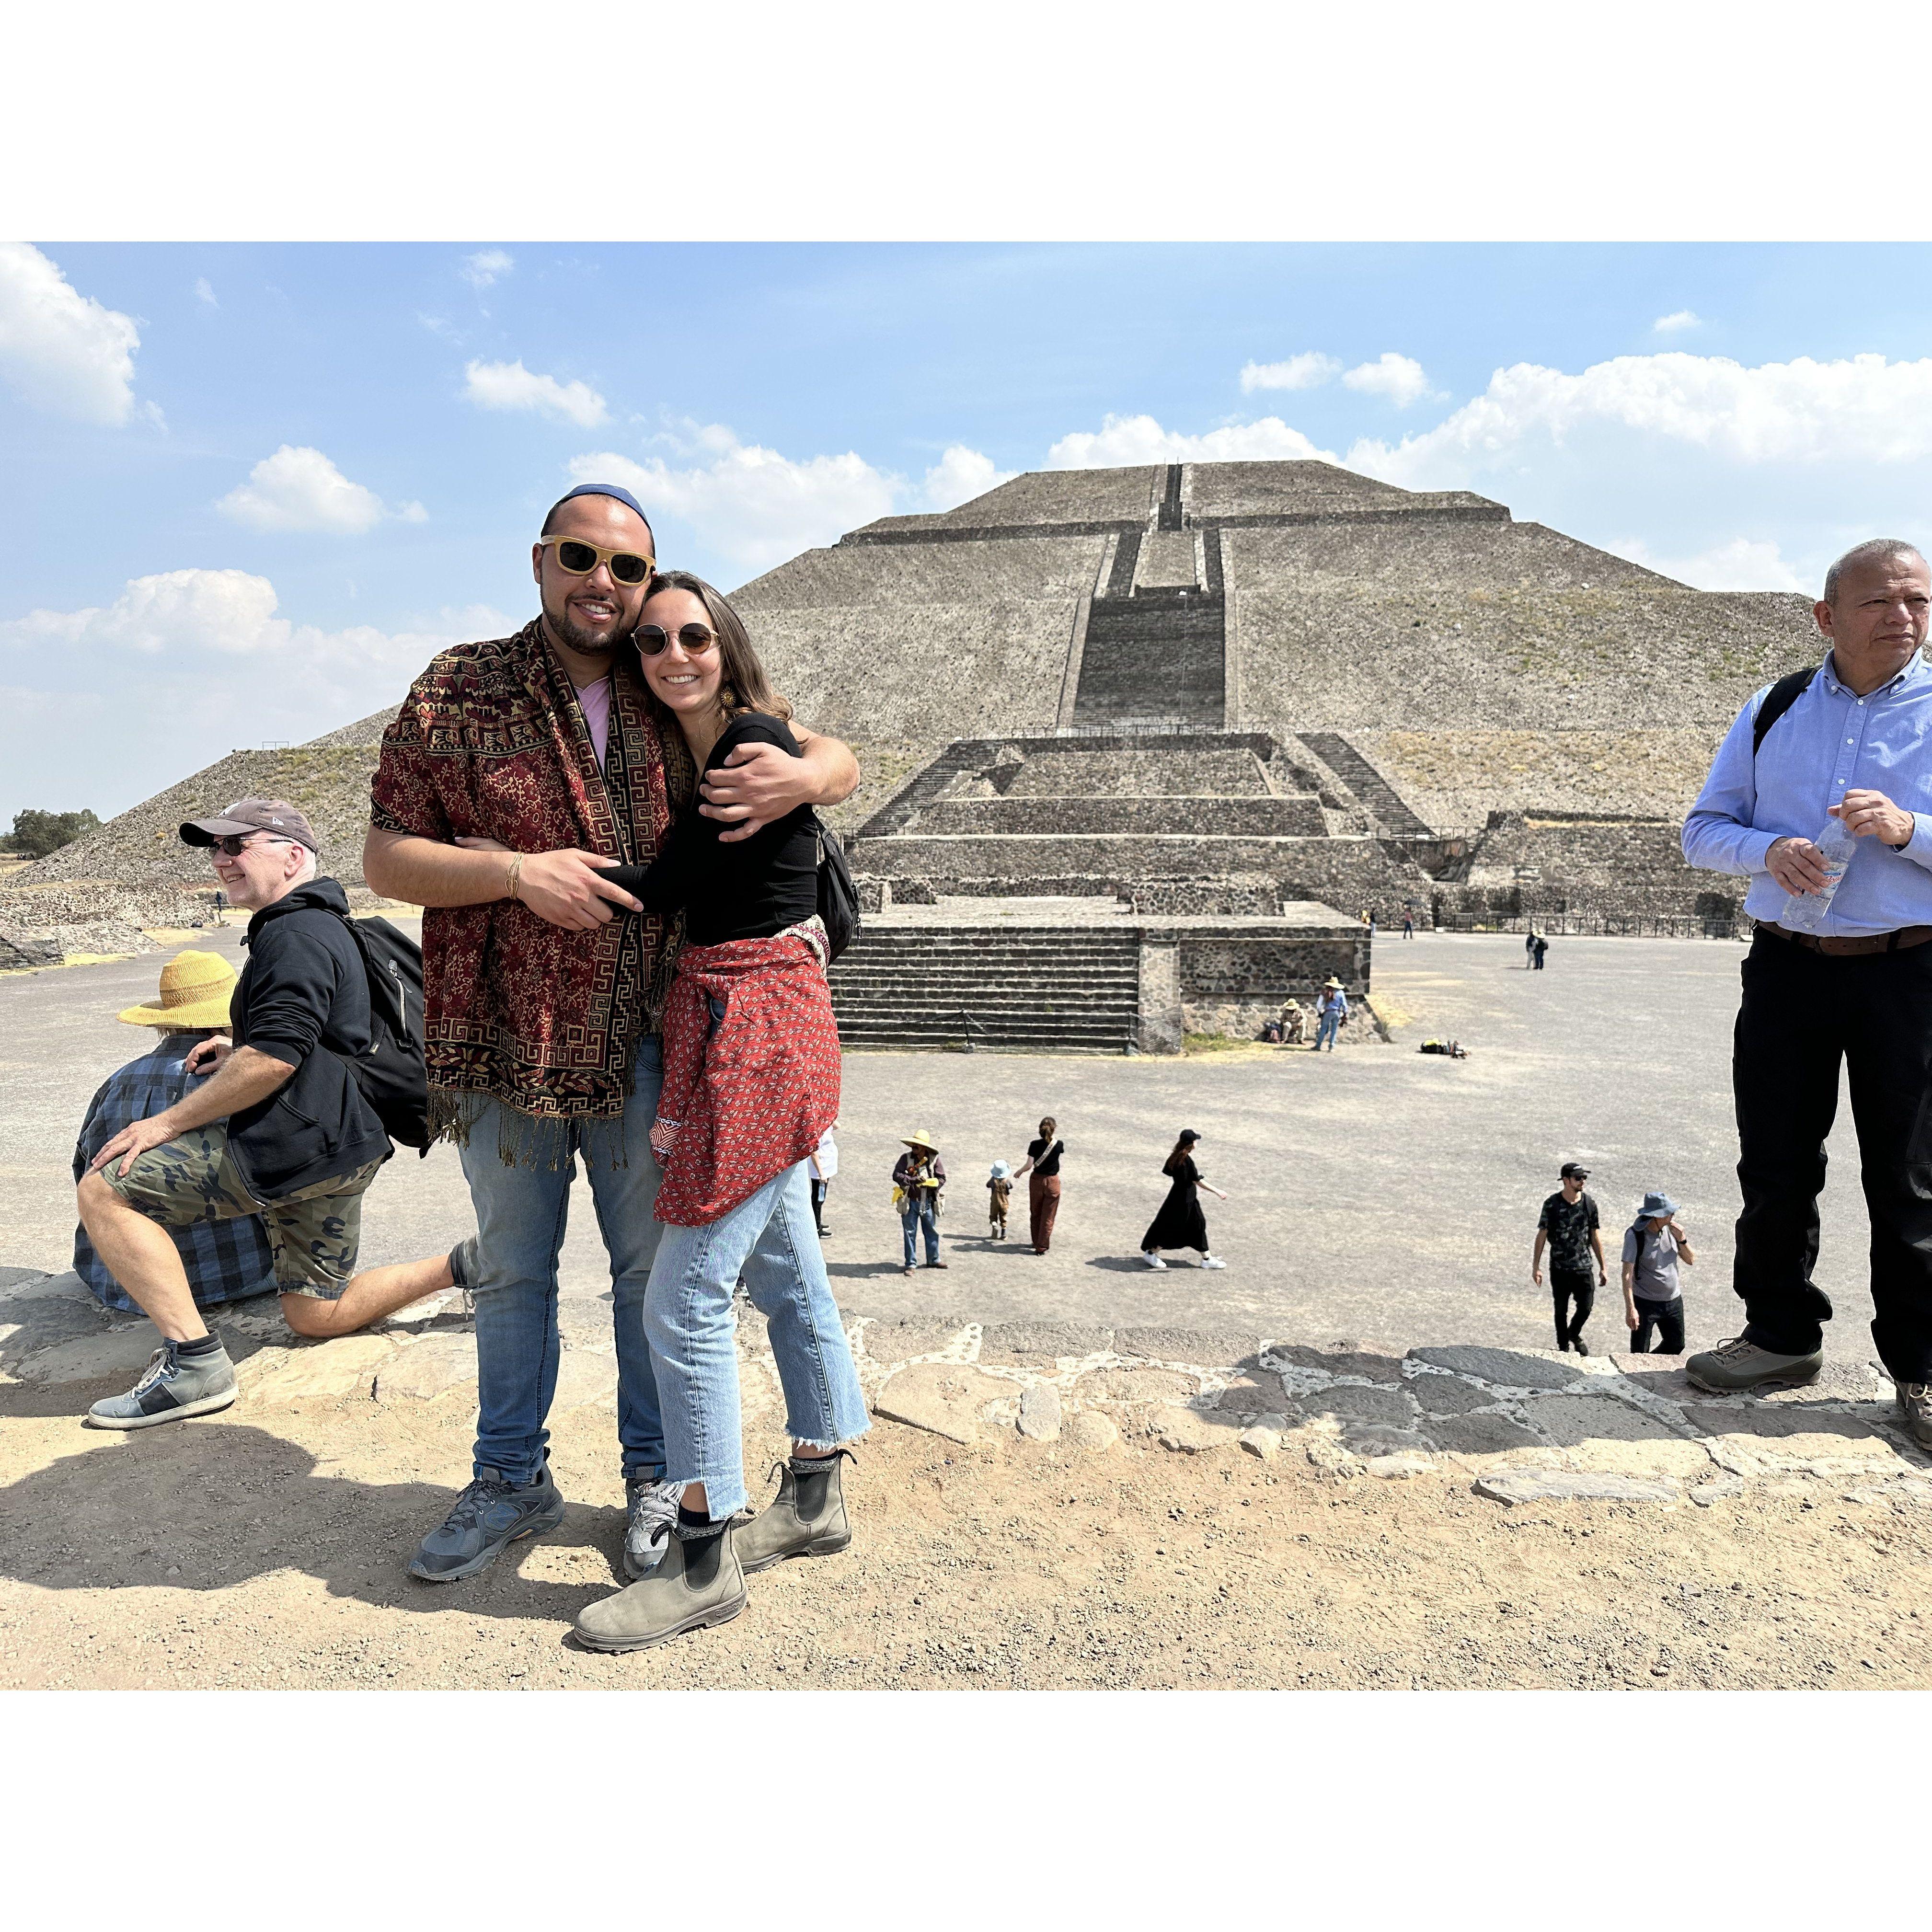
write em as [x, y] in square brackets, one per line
[698, 1583]
[806, 1518]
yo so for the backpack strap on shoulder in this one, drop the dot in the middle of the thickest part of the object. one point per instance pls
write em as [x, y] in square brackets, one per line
[1778, 700]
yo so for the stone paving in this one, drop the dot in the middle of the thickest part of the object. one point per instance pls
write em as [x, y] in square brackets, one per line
[1522, 1426]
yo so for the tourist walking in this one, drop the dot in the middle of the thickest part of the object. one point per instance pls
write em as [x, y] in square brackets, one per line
[1408, 924]
[224, 1261]
[1529, 949]
[1042, 1162]
[1839, 974]
[1180, 1223]
[751, 1087]
[281, 1129]
[824, 1167]
[999, 1198]
[1653, 1299]
[542, 1005]
[1536, 951]
[1331, 1014]
[1568, 1227]
[919, 1180]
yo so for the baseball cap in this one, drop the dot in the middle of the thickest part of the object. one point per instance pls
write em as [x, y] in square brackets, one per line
[254, 814]
[1570, 1168]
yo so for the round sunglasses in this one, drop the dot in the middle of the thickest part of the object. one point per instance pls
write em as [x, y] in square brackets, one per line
[653, 639]
[579, 559]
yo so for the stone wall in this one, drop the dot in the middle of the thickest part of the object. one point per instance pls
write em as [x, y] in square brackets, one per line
[1257, 817]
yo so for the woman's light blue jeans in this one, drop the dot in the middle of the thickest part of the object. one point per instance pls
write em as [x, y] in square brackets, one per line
[769, 1240]
[1330, 1025]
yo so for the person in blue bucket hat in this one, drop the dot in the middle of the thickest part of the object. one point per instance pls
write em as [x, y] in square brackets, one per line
[1653, 1245]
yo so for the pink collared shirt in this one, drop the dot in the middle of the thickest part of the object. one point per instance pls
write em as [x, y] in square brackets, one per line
[595, 699]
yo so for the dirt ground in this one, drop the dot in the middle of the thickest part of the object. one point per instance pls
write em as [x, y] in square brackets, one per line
[266, 1550]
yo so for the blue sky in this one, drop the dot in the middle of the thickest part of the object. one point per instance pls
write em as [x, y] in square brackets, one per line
[251, 488]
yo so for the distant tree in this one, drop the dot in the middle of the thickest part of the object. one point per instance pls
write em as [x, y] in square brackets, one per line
[37, 833]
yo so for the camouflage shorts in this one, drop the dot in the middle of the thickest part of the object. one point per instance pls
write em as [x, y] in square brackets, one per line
[313, 1234]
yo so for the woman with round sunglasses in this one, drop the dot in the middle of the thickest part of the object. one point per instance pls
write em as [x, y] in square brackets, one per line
[751, 1082]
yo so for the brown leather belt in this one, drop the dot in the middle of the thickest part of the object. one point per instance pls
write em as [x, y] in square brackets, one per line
[1837, 948]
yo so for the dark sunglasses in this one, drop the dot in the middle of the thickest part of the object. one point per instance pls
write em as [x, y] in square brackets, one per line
[579, 559]
[654, 639]
[234, 844]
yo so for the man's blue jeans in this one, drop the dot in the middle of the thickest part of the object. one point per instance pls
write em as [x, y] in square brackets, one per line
[1330, 1025]
[768, 1239]
[521, 1212]
[912, 1218]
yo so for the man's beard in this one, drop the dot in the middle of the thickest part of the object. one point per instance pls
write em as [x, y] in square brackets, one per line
[579, 639]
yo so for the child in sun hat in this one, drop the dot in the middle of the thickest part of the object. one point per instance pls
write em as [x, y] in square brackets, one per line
[999, 1192]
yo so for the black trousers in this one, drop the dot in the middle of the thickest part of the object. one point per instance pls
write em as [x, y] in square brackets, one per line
[1663, 1319]
[1564, 1285]
[1802, 1014]
[818, 1189]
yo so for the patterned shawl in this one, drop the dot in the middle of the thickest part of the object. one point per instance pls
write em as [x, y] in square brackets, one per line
[743, 1103]
[491, 742]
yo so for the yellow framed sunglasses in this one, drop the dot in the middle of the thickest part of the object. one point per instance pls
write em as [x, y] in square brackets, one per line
[580, 559]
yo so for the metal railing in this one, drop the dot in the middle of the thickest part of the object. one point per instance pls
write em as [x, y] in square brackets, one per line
[969, 1026]
[1600, 926]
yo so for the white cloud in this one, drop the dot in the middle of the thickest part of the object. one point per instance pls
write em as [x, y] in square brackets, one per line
[62, 350]
[1677, 321]
[509, 385]
[1863, 410]
[1399, 378]
[1743, 563]
[1121, 441]
[486, 266]
[180, 668]
[204, 291]
[959, 475]
[299, 489]
[1307, 371]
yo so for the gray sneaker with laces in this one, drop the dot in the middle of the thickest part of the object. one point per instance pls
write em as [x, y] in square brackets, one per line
[650, 1510]
[172, 1388]
[1735, 1367]
[1915, 1403]
[492, 1513]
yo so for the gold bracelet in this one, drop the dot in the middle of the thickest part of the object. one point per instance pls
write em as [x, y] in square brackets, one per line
[516, 878]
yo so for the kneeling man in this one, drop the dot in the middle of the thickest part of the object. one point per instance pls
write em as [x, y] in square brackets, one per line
[281, 1130]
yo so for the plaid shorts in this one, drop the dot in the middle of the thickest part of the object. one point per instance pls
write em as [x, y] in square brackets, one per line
[313, 1233]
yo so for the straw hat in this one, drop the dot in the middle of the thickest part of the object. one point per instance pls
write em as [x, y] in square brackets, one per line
[196, 990]
[921, 1139]
[1331, 981]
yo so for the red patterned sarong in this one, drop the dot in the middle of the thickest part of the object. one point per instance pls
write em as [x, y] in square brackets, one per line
[752, 1099]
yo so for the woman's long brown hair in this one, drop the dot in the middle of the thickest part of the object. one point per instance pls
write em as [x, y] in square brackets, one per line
[743, 685]
[1184, 1145]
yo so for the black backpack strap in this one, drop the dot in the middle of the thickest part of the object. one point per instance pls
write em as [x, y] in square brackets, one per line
[1778, 700]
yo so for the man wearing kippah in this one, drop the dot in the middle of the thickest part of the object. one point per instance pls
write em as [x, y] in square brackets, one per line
[225, 1261]
[516, 774]
[280, 1129]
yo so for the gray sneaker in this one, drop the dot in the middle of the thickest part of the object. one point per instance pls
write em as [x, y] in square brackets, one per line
[650, 1509]
[172, 1388]
[697, 1585]
[1914, 1401]
[1734, 1367]
[492, 1513]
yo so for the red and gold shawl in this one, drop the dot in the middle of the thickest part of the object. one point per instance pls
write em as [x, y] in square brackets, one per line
[744, 1103]
[491, 742]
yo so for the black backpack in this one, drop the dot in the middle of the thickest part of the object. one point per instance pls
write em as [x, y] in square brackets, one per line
[838, 897]
[393, 1075]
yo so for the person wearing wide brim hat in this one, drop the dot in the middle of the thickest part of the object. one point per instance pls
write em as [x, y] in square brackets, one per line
[1332, 1009]
[229, 1261]
[196, 989]
[917, 1181]
[1654, 1246]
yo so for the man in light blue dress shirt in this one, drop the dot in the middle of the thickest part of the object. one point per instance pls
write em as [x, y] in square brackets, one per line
[1855, 744]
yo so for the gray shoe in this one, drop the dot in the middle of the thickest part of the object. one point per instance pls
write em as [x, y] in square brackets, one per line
[685, 1592]
[465, 1262]
[803, 1520]
[1914, 1401]
[172, 1388]
[650, 1510]
[492, 1513]
[1733, 1368]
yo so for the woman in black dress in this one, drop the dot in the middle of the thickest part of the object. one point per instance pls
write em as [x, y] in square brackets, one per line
[1180, 1223]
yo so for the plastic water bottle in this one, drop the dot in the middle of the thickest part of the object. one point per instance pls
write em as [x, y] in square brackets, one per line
[1805, 912]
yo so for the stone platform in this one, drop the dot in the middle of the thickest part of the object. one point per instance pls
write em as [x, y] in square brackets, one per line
[1521, 1425]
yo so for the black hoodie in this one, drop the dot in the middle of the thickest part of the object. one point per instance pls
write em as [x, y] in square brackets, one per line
[304, 998]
